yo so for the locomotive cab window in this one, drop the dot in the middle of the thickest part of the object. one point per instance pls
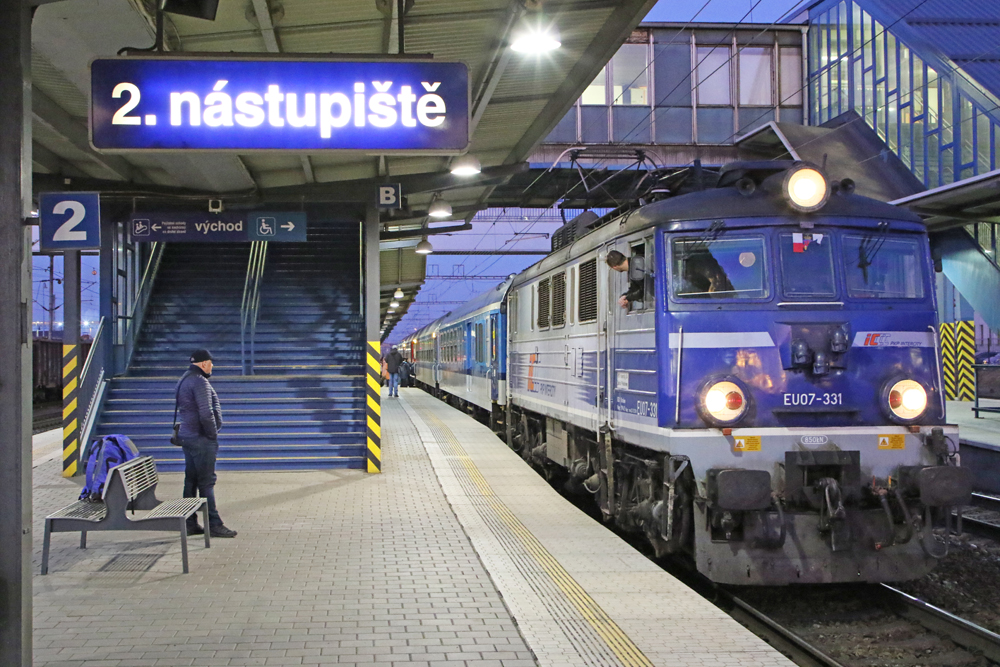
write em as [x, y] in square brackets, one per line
[878, 267]
[724, 268]
[807, 265]
[637, 276]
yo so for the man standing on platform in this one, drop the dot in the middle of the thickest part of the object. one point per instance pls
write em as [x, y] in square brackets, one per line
[392, 363]
[200, 417]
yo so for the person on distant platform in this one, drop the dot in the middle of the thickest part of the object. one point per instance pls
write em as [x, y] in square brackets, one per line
[392, 363]
[635, 268]
[199, 415]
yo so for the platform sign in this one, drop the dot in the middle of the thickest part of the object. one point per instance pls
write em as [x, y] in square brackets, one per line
[69, 220]
[225, 227]
[277, 226]
[390, 195]
[178, 104]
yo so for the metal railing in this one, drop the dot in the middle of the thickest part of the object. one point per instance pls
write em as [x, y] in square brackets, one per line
[136, 315]
[92, 383]
[250, 305]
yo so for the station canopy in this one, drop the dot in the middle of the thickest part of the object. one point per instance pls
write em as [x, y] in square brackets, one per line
[515, 99]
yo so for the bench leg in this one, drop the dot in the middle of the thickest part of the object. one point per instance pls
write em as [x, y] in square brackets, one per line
[204, 522]
[184, 544]
[45, 546]
[83, 539]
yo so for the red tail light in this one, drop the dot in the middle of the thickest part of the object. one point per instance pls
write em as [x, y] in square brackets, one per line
[734, 400]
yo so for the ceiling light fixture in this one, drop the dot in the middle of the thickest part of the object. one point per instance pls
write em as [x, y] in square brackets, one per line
[535, 35]
[439, 209]
[394, 304]
[398, 294]
[466, 165]
[424, 247]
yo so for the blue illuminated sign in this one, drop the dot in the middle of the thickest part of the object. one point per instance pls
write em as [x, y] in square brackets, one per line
[69, 220]
[225, 227]
[411, 107]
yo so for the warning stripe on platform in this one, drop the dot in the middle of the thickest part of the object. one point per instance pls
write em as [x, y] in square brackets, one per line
[948, 360]
[965, 357]
[373, 407]
[70, 423]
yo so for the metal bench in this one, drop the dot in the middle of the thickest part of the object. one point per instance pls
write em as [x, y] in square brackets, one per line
[987, 386]
[131, 487]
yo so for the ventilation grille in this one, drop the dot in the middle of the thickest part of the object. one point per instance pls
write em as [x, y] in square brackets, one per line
[543, 304]
[559, 299]
[587, 304]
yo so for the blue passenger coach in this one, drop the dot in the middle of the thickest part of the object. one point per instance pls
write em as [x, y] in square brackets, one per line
[759, 389]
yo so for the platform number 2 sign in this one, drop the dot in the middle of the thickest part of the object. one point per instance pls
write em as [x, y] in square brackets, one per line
[70, 220]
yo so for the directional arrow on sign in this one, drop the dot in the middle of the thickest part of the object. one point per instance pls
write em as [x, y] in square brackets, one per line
[157, 226]
[288, 225]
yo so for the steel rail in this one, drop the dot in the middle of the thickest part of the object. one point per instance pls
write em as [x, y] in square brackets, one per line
[962, 632]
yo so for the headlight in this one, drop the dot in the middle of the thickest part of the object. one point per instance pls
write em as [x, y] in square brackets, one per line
[805, 188]
[724, 402]
[907, 399]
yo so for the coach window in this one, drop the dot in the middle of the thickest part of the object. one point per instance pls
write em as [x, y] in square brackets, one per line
[722, 268]
[807, 265]
[883, 268]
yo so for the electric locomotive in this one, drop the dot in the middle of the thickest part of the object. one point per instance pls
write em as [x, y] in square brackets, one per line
[755, 383]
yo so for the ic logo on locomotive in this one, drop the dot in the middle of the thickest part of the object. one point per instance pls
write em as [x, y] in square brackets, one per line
[877, 339]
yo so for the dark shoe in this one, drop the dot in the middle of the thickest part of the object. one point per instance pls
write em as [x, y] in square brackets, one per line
[222, 531]
[195, 529]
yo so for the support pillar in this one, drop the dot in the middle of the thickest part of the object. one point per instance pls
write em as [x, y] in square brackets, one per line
[15, 335]
[71, 364]
[373, 366]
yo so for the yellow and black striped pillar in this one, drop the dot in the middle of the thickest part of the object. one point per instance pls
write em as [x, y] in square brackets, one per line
[965, 357]
[374, 407]
[71, 423]
[948, 360]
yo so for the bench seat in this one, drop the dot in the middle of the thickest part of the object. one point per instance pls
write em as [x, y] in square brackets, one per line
[130, 488]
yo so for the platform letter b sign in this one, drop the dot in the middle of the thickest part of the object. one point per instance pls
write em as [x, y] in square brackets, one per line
[389, 196]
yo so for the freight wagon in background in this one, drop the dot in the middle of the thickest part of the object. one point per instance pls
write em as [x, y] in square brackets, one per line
[46, 358]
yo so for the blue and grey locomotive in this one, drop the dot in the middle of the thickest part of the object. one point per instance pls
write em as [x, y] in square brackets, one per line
[747, 374]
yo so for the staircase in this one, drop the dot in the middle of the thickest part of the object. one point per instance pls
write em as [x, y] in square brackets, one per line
[304, 406]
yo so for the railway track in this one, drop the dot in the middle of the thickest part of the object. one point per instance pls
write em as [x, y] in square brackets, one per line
[983, 516]
[859, 626]
[46, 417]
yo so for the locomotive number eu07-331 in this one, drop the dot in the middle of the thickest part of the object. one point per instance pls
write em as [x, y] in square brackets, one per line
[812, 399]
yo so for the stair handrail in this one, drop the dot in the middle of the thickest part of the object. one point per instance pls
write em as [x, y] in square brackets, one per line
[91, 387]
[250, 304]
[256, 307]
[248, 282]
[137, 314]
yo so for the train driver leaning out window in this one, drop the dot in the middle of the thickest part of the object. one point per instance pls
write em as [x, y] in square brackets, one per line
[635, 268]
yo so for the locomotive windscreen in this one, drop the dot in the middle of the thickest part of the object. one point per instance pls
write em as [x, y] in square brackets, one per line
[886, 268]
[733, 267]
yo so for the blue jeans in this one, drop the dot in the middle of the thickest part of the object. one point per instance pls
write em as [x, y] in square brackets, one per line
[199, 474]
[394, 384]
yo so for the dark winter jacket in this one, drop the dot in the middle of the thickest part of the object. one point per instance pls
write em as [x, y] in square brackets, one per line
[393, 360]
[199, 412]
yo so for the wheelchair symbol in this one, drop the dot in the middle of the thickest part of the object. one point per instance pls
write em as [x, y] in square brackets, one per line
[140, 228]
[265, 226]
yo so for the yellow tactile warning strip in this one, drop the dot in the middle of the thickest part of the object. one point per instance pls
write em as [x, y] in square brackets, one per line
[612, 645]
[373, 407]
[965, 357]
[71, 424]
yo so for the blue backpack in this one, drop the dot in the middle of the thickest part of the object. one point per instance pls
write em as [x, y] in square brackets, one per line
[103, 455]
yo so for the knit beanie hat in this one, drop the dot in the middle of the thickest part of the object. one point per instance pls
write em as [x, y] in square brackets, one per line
[199, 356]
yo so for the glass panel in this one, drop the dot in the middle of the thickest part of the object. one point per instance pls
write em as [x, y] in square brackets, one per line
[905, 138]
[672, 74]
[918, 85]
[715, 125]
[791, 115]
[594, 125]
[596, 92]
[713, 75]
[630, 75]
[859, 92]
[880, 106]
[791, 76]
[845, 86]
[565, 131]
[965, 133]
[947, 165]
[892, 62]
[877, 267]
[918, 151]
[755, 76]
[631, 125]
[807, 265]
[892, 118]
[932, 158]
[904, 75]
[947, 112]
[753, 117]
[983, 152]
[869, 99]
[824, 40]
[842, 30]
[879, 50]
[673, 125]
[728, 268]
